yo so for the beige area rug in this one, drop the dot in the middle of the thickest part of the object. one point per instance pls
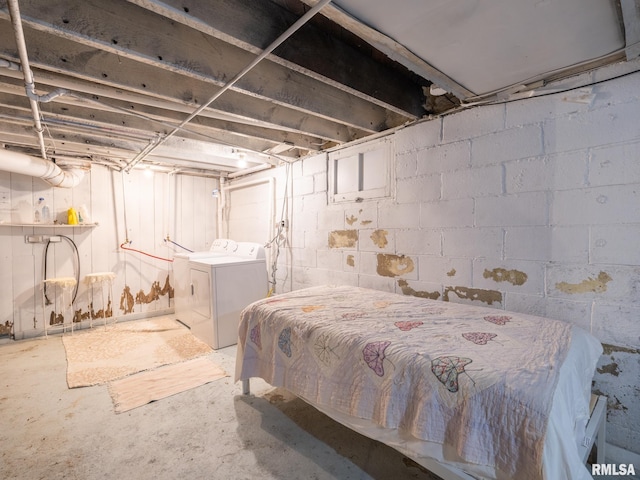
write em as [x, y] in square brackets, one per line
[103, 354]
[142, 388]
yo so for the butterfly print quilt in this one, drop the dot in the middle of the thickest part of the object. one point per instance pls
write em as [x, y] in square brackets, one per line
[471, 378]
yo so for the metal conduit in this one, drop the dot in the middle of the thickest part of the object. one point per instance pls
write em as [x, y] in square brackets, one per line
[290, 31]
[14, 13]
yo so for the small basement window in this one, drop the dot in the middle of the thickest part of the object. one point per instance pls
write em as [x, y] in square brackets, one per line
[360, 172]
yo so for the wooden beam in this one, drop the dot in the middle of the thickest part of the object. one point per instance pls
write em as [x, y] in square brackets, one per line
[120, 114]
[314, 51]
[115, 76]
[63, 142]
[120, 34]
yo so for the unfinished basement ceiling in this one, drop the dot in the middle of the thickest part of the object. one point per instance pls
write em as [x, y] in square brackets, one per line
[117, 79]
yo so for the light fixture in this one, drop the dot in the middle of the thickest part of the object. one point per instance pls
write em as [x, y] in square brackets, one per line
[242, 163]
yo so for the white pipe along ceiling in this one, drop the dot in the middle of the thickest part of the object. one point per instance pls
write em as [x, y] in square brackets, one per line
[48, 171]
[222, 87]
[17, 162]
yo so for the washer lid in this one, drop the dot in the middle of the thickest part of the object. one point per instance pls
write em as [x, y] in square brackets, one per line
[226, 260]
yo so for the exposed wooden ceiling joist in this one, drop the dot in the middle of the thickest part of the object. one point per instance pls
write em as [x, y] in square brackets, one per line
[136, 73]
[160, 60]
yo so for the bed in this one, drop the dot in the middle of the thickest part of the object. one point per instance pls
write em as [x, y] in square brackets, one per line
[466, 391]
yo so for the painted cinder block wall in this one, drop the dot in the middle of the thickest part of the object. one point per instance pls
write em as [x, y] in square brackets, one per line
[128, 207]
[531, 206]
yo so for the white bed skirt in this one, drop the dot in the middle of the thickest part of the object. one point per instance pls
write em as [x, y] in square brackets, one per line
[569, 415]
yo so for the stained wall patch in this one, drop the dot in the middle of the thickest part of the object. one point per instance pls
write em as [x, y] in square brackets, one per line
[390, 265]
[343, 239]
[595, 285]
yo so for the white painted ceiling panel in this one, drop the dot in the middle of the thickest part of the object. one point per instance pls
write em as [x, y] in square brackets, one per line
[488, 45]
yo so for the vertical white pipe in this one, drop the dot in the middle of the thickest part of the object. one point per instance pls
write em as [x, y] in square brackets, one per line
[221, 206]
[14, 13]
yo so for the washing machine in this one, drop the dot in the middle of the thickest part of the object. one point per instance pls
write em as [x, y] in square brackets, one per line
[221, 287]
[182, 277]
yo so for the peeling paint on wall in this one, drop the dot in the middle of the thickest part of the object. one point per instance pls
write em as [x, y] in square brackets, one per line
[611, 368]
[407, 290]
[390, 265]
[596, 285]
[56, 319]
[155, 293]
[451, 273]
[617, 380]
[6, 328]
[515, 277]
[610, 349]
[351, 260]
[126, 300]
[343, 238]
[485, 296]
[79, 316]
[127, 303]
[102, 313]
[352, 219]
[614, 403]
[91, 313]
[379, 238]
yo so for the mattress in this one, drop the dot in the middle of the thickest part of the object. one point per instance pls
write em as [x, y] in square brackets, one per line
[489, 392]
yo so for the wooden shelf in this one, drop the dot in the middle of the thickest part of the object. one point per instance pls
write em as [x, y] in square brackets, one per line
[49, 225]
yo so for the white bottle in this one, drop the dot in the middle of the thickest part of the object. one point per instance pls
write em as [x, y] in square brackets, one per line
[83, 213]
[38, 214]
[45, 212]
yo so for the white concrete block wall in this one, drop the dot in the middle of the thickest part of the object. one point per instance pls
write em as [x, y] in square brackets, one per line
[443, 158]
[510, 144]
[533, 204]
[179, 206]
[550, 244]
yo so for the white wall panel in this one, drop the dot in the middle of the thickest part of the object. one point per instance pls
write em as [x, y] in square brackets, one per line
[199, 215]
[249, 213]
[125, 207]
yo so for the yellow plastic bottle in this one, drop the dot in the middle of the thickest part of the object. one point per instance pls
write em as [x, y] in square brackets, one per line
[72, 216]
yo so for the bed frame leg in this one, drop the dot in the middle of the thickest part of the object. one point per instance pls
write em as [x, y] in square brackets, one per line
[596, 430]
[602, 435]
[246, 388]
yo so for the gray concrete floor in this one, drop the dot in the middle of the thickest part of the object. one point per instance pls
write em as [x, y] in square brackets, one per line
[48, 431]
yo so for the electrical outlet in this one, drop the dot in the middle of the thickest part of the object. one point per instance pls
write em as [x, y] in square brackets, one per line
[284, 223]
[33, 239]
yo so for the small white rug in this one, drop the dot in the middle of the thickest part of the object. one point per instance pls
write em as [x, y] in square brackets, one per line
[102, 355]
[142, 388]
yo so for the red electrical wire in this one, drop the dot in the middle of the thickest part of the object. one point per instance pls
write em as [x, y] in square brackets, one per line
[122, 246]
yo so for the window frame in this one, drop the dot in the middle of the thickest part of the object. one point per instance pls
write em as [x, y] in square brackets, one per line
[360, 194]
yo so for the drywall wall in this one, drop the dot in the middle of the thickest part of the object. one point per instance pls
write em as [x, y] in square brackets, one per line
[531, 206]
[136, 208]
